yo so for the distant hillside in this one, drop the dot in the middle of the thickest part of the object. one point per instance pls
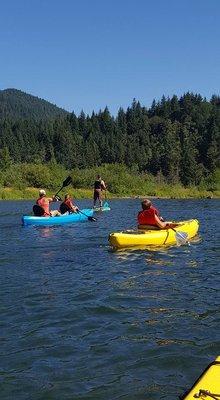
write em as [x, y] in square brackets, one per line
[16, 104]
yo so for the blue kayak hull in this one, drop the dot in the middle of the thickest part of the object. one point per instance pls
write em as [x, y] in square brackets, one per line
[61, 220]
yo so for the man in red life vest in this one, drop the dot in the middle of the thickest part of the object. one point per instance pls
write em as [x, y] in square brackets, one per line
[149, 217]
[67, 206]
[99, 185]
[44, 203]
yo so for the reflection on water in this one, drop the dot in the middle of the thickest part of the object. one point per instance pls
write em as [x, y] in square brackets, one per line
[162, 256]
[79, 321]
[45, 232]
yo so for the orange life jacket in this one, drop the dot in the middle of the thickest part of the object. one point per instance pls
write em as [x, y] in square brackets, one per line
[44, 203]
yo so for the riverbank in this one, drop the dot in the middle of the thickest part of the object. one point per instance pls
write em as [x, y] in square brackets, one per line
[22, 181]
[168, 192]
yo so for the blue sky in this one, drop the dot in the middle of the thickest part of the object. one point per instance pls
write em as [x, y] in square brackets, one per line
[87, 54]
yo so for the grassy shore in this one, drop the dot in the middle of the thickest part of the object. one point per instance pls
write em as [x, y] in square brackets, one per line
[31, 193]
[22, 182]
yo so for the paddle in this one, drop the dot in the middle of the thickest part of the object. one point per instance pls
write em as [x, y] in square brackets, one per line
[67, 182]
[89, 218]
[106, 204]
[181, 237]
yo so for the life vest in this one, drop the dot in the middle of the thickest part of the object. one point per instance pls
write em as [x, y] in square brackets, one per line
[67, 205]
[38, 210]
[44, 203]
[147, 217]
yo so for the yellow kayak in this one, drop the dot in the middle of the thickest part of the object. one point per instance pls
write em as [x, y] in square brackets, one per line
[207, 386]
[183, 231]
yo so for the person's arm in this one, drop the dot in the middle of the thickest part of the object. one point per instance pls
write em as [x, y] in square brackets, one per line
[158, 215]
[104, 187]
[73, 207]
[160, 224]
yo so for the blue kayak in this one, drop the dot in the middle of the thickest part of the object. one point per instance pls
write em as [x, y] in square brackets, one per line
[61, 220]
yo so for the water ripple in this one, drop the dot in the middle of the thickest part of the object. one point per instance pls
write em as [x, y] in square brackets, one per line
[79, 321]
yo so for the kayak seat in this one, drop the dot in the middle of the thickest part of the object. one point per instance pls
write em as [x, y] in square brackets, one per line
[149, 227]
[38, 210]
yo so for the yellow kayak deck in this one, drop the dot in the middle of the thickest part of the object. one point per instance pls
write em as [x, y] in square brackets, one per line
[158, 237]
[207, 386]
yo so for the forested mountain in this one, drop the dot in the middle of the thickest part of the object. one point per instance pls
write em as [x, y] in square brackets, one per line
[16, 104]
[178, 138]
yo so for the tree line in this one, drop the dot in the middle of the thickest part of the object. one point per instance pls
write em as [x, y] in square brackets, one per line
[178, 138]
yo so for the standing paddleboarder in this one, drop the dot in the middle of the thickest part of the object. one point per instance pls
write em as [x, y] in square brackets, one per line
[99, 186]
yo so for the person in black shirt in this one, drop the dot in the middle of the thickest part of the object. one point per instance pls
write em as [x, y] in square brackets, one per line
[99, 186]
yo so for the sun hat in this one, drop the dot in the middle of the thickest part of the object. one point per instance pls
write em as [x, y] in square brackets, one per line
[42, 192]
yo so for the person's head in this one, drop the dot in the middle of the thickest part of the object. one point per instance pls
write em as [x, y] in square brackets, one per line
[67, 196]
[146, 204]
[99, 177]
[42, 193]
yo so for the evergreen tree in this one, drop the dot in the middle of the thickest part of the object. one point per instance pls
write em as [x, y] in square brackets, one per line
[188, 164]
[5, 159]
[177, 138]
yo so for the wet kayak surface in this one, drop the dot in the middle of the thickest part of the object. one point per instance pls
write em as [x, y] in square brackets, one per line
[79, 321]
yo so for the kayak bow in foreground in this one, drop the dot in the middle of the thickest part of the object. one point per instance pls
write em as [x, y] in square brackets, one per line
[207, 386]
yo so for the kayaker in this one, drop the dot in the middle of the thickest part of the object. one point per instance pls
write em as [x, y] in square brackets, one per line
[67, 206]
[149, 217]
[99, 186]
[43, 204]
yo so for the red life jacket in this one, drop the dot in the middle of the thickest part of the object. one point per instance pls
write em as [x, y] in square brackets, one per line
[44, 203]
[147, 217]
[69, 203]
[66, 206]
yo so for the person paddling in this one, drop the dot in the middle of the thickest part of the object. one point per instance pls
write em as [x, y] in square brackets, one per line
[67, 206]
[149, 217]
[43, 204]
[99, 185]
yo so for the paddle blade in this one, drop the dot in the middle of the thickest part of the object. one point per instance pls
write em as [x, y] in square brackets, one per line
[181, 238]
[67, 181]
[58, 198]
[92, 219]
[89, 218]
[105, 204]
